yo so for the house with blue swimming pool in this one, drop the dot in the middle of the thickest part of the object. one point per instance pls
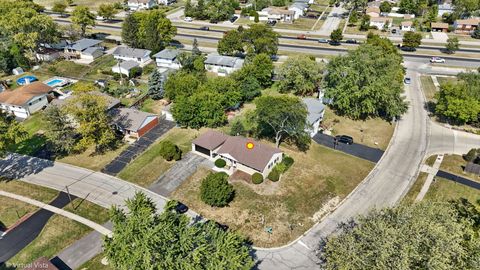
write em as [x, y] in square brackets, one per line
[26, 100]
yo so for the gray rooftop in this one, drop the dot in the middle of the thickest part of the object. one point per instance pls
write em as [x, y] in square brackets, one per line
[315, 109]
[224, 61]
[169, 54]
[299, 5]
[91, 50]
[131, 52]
[129, 65]
[83, 44]
[130, 119]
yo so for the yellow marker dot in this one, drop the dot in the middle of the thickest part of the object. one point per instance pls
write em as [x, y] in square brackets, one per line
[250, 145]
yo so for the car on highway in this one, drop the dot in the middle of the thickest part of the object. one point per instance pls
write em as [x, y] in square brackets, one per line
[437, 60]
[188, 19]
[322, 40]
[181, 208]
[204, 28]
[351, 41]
[344, 139]
[407, 80]
[394, 31]
[302, 36]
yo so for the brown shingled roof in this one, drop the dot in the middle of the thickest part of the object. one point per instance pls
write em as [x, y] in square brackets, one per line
[439, 25]
[23, 94]
[211, 139]
[256, 158]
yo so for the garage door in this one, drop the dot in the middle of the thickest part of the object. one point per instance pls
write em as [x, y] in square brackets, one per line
[202, 150]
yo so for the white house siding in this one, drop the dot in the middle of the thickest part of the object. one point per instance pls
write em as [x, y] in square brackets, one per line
[32, 106]
[167, 63]
[219, 70]
[298, 12]
[92, 56]
[117, 69]
[141, 61]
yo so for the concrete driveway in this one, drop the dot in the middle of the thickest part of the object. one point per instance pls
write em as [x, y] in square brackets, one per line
[332, 22]
[179, 172]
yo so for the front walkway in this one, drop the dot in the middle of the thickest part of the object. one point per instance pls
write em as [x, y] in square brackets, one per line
[179, 172]
[432, 171]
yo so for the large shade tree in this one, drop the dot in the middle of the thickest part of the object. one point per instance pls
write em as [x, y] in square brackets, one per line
[11, 132]
[145, 240]
[301, 75]
[419, 236]
[367, 82]
[82, 17]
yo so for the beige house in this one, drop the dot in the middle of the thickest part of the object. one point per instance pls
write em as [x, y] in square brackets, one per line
[439, 27]
[25, 100]
[233, 149]
[380, 22]
[407, 26]
[466, 25]
[373, 12]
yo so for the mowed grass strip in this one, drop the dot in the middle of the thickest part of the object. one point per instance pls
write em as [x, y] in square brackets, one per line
[415, 189]
[316, 177]
[149, 166]
[61, 232]
[428, 87]
[455, 164]
[445, 190]
[91, 160]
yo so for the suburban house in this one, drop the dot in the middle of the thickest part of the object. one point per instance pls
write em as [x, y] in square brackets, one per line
[47, 55]
[111, 101]
[167, 58]
[133, 123]
[316, 110]
[380, 22]
[275, 14]
[141, 4]
[439, 27]
[140, 56]
[233, 149]
[466, 25]
[373, 12]
[223, 65]
[166, 2]
[299, 8]
[125, 67]
[445, 8]
[84, 49]
[407, 26]
[25, 100]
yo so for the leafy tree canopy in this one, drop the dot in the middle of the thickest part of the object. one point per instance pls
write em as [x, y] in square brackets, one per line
[301, 75]
[82, 17]
[412, 39]
[11, 132]
[215, 190]
[145, 240]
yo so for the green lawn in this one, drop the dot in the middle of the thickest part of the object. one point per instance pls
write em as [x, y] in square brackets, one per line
[11, 210]
[444, 190]
[431, 160]
[95, 263]
[145, 169]
[443, 80]
[455, 165]
[64, 68]
[90, 160]
[428, 87]
[316, 177]
[34, 125]
[61, 232]
[415, 189]
[104, 63]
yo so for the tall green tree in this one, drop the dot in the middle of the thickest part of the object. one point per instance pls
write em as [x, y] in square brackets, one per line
[145, 240]
[11, 132]
[452, 45]
[367, 82]
[260, 38]
[107, 11]
[458, 102]
[231, 43]
[385, 6]
[155, 85]
[59, 7]
[130, 30]
[301, 75]
[82, 17]
[155, 31]
[364, 23]
[282, 118]
[60, 130]
[423, 235]
[89, 112]
[181, 84]
[336, 35]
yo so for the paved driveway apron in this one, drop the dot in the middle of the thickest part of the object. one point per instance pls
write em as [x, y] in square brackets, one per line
[134, 150]
[179, 172]
[355, 149]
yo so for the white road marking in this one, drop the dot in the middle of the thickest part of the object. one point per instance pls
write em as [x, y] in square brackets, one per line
[303, 244]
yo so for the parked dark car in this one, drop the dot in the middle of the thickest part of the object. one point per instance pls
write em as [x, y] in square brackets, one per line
[344, 139]
[351, 41]
[233, 19]
[407, 49]
[407, 80]
[181, 208]
[205, 28]
[394, 31]
[334, 43]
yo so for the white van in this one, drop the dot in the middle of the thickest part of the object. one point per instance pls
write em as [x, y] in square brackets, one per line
[188, 19]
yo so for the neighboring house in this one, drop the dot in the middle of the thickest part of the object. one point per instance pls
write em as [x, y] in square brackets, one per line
[223, 65]
[141, 4]
[439, 27]
[373, 12]
[166, 2]
[167, 58]
[40, 264]
[445, 8]
[299, 8]
[279, 14]
[407, 26]
[140, 56]
[133, 123]
[380, 22]
[25, 100]
[466, 25]
[316, 110]
[125, 67]
[111, 101]
[85, 49]
[233, 149]
[47, 55]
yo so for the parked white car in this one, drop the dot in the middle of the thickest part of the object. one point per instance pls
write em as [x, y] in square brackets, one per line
[437, 60]
[188, 19]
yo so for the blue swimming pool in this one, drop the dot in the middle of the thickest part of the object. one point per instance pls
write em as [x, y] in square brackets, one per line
[54, 82]
[26, 80]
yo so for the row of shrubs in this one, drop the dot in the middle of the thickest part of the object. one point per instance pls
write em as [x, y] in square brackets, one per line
[274, 175]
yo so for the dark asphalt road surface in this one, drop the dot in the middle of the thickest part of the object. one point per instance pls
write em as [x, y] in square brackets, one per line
[458, 179]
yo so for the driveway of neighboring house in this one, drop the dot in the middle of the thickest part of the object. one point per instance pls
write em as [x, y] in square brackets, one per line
[134, 150]
[179, 172]
[355, 149]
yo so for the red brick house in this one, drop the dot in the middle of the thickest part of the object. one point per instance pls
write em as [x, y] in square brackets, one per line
[133, 123]
[466, 26]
